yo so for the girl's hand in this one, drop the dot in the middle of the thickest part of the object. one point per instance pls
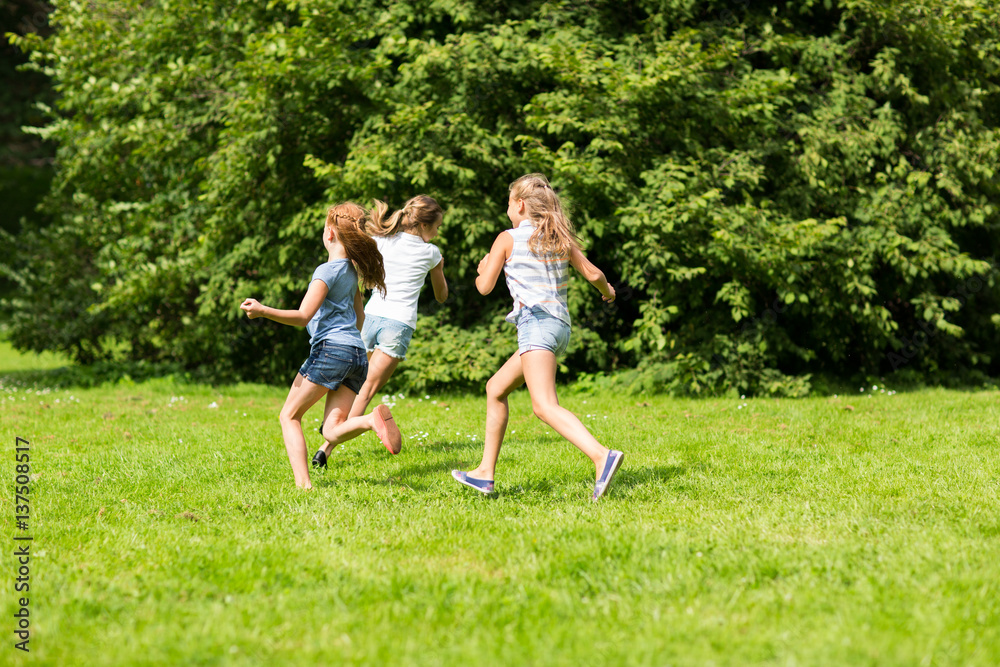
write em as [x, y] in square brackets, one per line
[610, 299]
[252, 308]
[482, 264]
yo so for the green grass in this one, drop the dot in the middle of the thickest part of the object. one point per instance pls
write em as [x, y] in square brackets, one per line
[784, 532]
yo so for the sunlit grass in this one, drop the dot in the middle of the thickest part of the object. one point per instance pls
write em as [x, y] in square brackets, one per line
[847, 530]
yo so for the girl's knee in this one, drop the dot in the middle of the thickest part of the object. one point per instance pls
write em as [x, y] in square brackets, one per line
[543, 410]
[286, 416]
[328, 429]
[332, 421]
[495, 389]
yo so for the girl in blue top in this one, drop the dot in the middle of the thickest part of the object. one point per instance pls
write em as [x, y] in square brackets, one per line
[535, 255]
[404, 239]
[337, 366]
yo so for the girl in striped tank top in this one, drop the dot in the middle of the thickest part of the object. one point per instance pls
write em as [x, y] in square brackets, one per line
[535, 255]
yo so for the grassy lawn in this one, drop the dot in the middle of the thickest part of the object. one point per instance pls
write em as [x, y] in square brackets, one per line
[861, 530]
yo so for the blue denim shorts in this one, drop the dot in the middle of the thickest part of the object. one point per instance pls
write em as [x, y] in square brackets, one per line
[332, 365]
[390, 336]
[537, 330]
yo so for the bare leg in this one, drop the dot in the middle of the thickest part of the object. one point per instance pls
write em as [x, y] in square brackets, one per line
[337, 432]
[539, 367]
[302, 396]
[334, 413]
[498, 388]
[380, 368]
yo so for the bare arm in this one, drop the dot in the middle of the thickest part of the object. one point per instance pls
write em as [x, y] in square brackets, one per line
[491, 265]
[593, 274]
[359, 309]
[297, 318]
[439, 283]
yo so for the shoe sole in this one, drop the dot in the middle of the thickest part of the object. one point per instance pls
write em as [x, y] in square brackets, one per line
[386, 429]
[611, 475]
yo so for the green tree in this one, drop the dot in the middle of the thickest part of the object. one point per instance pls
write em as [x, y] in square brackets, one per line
[25, 161]
[778, 188]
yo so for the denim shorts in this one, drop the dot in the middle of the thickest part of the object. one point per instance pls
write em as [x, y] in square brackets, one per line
[332, 365]
[538, 330]
[390, 336]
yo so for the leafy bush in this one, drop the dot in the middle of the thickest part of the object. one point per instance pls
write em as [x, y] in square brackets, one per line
[778, 189]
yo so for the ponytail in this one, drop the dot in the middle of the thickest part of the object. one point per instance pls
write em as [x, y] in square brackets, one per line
[377, 223]
[420, 210]
[349, 221]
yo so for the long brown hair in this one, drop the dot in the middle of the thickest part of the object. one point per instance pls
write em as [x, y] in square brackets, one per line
[419, 211]
[348, 219]
[554, 233]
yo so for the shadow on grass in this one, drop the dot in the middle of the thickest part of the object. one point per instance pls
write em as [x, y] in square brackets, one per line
[628, 478]
[426, 476]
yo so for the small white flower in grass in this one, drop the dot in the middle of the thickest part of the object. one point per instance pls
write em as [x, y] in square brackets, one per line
[874, 387]
[427, 397]
[862, 389]
[213, 405]
[739, 407]
[244, 414]
[434, 402]
[742, 395]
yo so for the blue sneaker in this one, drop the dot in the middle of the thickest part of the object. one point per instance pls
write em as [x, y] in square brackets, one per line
[483, 485]
[610, 468]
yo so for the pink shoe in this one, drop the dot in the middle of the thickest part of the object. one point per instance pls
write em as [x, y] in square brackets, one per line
[386, 429]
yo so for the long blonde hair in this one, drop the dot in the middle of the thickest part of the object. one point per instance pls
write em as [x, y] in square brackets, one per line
[420, 211]
[554, 234]
[349, 220]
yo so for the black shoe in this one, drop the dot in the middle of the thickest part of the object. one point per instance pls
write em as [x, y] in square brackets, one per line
[319, 459]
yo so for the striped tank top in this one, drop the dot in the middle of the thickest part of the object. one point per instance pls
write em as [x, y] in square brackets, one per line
[533, 280]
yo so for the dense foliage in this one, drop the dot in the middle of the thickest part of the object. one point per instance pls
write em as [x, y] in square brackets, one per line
[25, 161]
[777, 188]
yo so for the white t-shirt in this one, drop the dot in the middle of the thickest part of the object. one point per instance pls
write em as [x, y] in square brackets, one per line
[407, 259]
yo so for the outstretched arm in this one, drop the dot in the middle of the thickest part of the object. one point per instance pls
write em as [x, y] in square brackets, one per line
[491, 265]
[439, 283]
[593, 274]
[297, 318]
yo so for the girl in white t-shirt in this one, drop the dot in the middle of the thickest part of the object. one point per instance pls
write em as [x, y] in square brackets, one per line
[408, 255]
